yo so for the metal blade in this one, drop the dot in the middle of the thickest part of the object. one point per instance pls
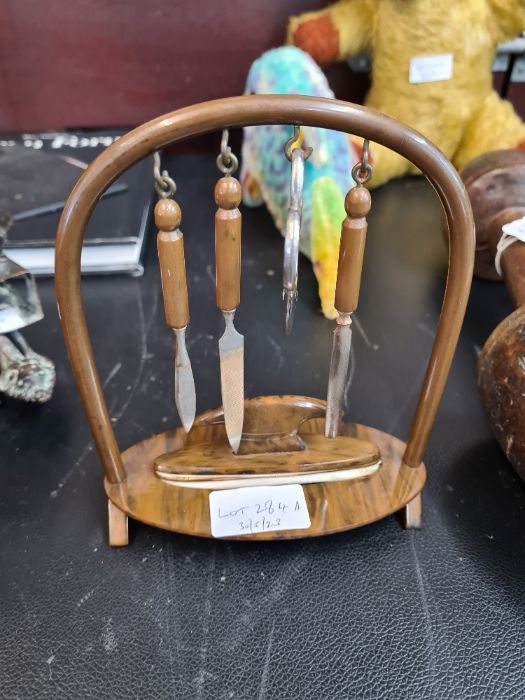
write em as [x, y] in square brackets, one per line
[290, 301]
[184, 382]
[291, 238]
[338, 374]
[231, 354]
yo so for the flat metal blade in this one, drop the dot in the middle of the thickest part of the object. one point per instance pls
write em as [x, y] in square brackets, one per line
[184, 382]
[291, 239]
[290, 302]
[338, 374]
[231, 355]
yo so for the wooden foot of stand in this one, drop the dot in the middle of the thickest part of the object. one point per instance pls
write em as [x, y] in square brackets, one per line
[411, 514]
[117, 526]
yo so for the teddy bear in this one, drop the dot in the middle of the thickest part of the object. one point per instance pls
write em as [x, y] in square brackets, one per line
[431, 69]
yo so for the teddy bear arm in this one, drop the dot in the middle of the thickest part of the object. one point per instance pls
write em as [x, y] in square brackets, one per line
[387, 165]
[494, 126]
[337, 32]
[510, 18]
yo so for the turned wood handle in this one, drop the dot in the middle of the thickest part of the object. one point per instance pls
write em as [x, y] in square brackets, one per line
[351, 251]
[170, 247]
[228, 244]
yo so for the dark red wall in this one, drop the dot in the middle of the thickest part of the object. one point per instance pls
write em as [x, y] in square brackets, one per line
[76, 63]
[89, 63]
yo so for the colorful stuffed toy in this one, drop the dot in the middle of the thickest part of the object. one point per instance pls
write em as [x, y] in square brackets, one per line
[431, 69]
[265, 172]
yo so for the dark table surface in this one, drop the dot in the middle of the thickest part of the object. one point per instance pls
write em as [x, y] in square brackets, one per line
[377, 612]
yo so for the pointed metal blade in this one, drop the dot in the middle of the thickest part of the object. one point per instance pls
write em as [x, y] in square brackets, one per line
[338, 373]
[231, 354]
[291, 240]
[184, 383]
[290, 302]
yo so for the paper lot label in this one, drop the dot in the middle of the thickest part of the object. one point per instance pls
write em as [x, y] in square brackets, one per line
[257, 509]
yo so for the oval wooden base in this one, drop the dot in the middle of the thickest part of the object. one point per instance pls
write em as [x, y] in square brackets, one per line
[333, 506]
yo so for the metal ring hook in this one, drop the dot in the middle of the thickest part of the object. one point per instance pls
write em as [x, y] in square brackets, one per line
[365, 154]
[165, 186]
[227, 161]
[296, 141]
[156, 165]
[225, 148]
[362, 170]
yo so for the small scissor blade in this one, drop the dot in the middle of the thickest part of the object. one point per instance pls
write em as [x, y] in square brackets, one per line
[184, 383]
[338, 373]
[292, 236]
[231, 354]
[290, 302]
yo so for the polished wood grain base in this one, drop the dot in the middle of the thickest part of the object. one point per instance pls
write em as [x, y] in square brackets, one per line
[333, 506]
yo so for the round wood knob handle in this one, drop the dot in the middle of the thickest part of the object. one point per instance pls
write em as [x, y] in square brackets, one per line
[352, 248]
[170, 248]
[228, 243]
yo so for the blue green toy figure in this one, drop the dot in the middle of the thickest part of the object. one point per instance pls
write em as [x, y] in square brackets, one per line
[265, 173]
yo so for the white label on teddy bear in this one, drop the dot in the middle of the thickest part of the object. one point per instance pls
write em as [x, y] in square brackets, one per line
[431, 69]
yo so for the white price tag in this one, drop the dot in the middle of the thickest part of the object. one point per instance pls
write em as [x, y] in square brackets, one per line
[257, 509]
[515, 228]
[431, 69]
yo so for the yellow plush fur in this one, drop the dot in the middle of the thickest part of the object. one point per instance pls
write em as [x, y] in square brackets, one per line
[463, 116]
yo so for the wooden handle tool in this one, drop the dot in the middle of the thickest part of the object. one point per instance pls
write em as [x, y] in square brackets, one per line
[170, 247]
[228, 296]
[350, 264]
[352, 249]
[228, 244]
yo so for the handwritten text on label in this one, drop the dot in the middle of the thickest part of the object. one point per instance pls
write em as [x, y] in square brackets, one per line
[256, 509]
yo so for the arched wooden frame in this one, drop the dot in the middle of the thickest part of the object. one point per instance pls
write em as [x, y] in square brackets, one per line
[247, 111]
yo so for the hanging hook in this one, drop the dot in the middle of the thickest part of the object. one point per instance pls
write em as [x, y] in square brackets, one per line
[296, 141]
[362, 170]
[164, 185]
[226, 160]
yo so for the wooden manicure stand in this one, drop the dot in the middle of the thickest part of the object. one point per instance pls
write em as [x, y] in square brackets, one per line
[283, 435]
